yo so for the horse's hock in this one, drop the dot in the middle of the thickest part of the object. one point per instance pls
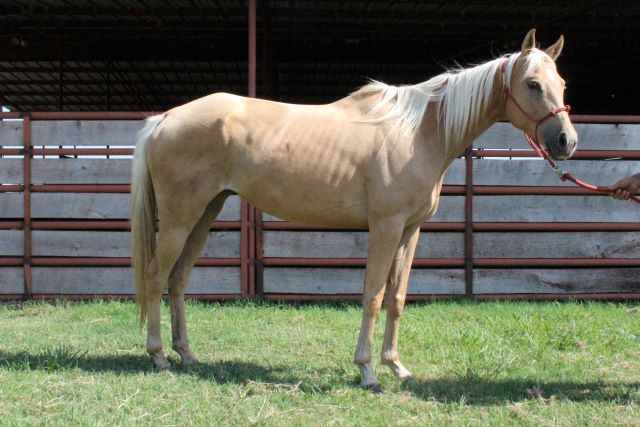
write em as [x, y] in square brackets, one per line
[517, 230]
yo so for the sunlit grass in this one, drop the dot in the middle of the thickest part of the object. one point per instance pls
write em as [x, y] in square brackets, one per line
[485, 363]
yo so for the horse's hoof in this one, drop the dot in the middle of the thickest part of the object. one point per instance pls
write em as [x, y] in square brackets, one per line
[376, 389]
[161, 364]
[190, 361]
[399, 371]
[163, 367]
[404, 377]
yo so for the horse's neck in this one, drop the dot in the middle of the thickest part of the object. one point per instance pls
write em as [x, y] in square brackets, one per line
[476, 129]
[494, 111]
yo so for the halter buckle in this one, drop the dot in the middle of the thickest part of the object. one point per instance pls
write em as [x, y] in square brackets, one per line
[555, 168]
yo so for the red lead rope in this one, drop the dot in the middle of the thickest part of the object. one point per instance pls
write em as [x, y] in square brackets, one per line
[566, 176]
[540, 151]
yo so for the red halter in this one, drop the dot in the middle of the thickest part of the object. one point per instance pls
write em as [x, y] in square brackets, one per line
[540, 151]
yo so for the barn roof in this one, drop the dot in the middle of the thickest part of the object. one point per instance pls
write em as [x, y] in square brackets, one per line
[152, 55]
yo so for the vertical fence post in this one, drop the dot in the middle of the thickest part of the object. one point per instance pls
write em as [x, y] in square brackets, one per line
[468, 222]
[244, 248]
[251, 63]
[259, 263]
[266, 93]
[26, 197]
[251, 282]
[248, 212]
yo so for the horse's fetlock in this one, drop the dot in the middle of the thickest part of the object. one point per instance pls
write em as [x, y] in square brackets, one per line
[362, 359]
[388, 357]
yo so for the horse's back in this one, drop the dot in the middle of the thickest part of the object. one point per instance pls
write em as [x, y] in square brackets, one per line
[307, 163]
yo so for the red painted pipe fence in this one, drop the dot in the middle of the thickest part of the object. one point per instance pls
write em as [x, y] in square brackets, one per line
[551, 241]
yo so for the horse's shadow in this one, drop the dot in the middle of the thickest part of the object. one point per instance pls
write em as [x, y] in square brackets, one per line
[443, 389]
[504, 391]
[224, 371]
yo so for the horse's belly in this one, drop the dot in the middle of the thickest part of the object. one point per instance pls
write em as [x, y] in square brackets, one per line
[328, 207]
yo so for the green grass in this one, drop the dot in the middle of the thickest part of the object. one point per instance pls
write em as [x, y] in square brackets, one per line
[478, 364]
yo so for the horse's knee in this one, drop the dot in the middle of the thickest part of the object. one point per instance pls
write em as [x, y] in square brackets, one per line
[371, 305]
[155, 286]
[395, 306]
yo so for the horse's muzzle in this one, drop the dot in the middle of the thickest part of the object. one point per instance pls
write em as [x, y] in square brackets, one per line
[561, 146]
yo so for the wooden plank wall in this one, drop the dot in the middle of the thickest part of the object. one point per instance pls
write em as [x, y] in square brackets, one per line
[60, 230]
[589, 246]
[68, 255]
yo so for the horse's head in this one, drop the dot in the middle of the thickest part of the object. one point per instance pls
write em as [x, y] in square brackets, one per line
[535, 98]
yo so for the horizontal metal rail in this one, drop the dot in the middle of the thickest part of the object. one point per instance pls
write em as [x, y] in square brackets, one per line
[140, 115]
[411, 298]
[477, 152]
[605, 296]
[123, 225]
[577, 155]
[120, 262]
[80, 188]
[606, 119]
[126, 297]
[110, 225]
[80, 115]
[447, 190]
[11, 262]
[83, 151]
[477, 226]
[11, 152]
[356, 262]
[460, 262]
[11, 188]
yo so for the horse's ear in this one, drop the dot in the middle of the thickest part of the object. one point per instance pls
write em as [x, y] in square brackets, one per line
[529, 42]
[554, 50]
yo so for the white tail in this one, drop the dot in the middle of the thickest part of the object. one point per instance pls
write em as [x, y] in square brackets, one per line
[143, 216]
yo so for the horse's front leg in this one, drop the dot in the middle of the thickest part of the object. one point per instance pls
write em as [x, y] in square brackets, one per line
[394, 300]
[384, 237]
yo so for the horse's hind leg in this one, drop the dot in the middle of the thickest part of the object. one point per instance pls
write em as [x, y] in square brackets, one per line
[394, 301]
[180, 275]
[176, 223]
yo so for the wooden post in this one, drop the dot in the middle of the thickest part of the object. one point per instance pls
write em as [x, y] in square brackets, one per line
[468, 221]
[26, 194]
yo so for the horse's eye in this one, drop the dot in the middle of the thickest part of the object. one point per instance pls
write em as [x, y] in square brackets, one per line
[534, 85]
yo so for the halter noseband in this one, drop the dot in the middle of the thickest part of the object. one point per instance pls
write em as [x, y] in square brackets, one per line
[553, 112]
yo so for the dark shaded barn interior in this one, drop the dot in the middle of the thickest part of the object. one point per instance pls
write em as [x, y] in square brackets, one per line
[148, 55]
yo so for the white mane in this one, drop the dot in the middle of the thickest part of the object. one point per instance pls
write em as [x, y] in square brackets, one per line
[465, 92]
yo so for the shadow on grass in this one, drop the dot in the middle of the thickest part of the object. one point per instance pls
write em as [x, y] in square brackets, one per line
[222, 372]
[445, 389]
[497, 392]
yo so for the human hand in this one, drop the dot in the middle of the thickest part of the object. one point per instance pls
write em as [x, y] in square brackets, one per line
[626, 188]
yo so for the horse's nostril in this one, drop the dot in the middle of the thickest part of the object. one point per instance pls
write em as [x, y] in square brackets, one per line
[563, 140]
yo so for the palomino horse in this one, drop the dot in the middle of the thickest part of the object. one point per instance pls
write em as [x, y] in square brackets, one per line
[373, 160]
